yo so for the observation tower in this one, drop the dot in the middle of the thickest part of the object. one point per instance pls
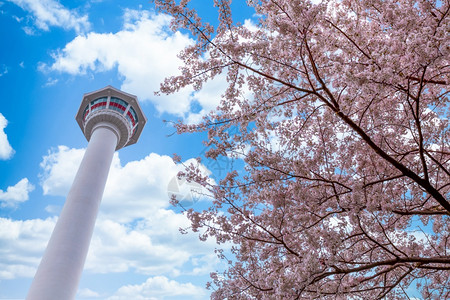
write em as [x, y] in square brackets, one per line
[110, 120]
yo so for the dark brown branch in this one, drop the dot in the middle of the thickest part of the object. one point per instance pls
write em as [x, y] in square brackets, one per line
[421, 212]
[427, 80]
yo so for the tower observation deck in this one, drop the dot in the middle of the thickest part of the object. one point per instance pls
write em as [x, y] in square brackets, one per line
[120, 110]
[110, 120]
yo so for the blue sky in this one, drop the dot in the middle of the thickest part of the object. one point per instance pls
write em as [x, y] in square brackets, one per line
[53, 52]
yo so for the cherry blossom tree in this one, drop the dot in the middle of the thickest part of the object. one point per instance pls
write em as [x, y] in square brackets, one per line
[340, 112]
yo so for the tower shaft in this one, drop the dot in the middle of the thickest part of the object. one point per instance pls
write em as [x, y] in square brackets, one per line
[60, 270]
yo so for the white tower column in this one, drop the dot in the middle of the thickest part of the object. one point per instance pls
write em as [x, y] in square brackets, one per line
[60, 270]
[110, 120]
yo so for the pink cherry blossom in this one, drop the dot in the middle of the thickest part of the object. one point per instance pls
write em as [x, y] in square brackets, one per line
[346, 143]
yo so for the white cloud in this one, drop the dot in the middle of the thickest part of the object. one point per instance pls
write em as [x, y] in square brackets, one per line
[135, 190]
[208, 97]
[136, 194]
[87, 293]
[118, 248]
[46, 13]
[3, 70]
[16, 194]
[136, 230]
[159, 287]
[59, 169]
[152, 247]
[51, 81]
[23, 243]
[144, 52]
[6, 151]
